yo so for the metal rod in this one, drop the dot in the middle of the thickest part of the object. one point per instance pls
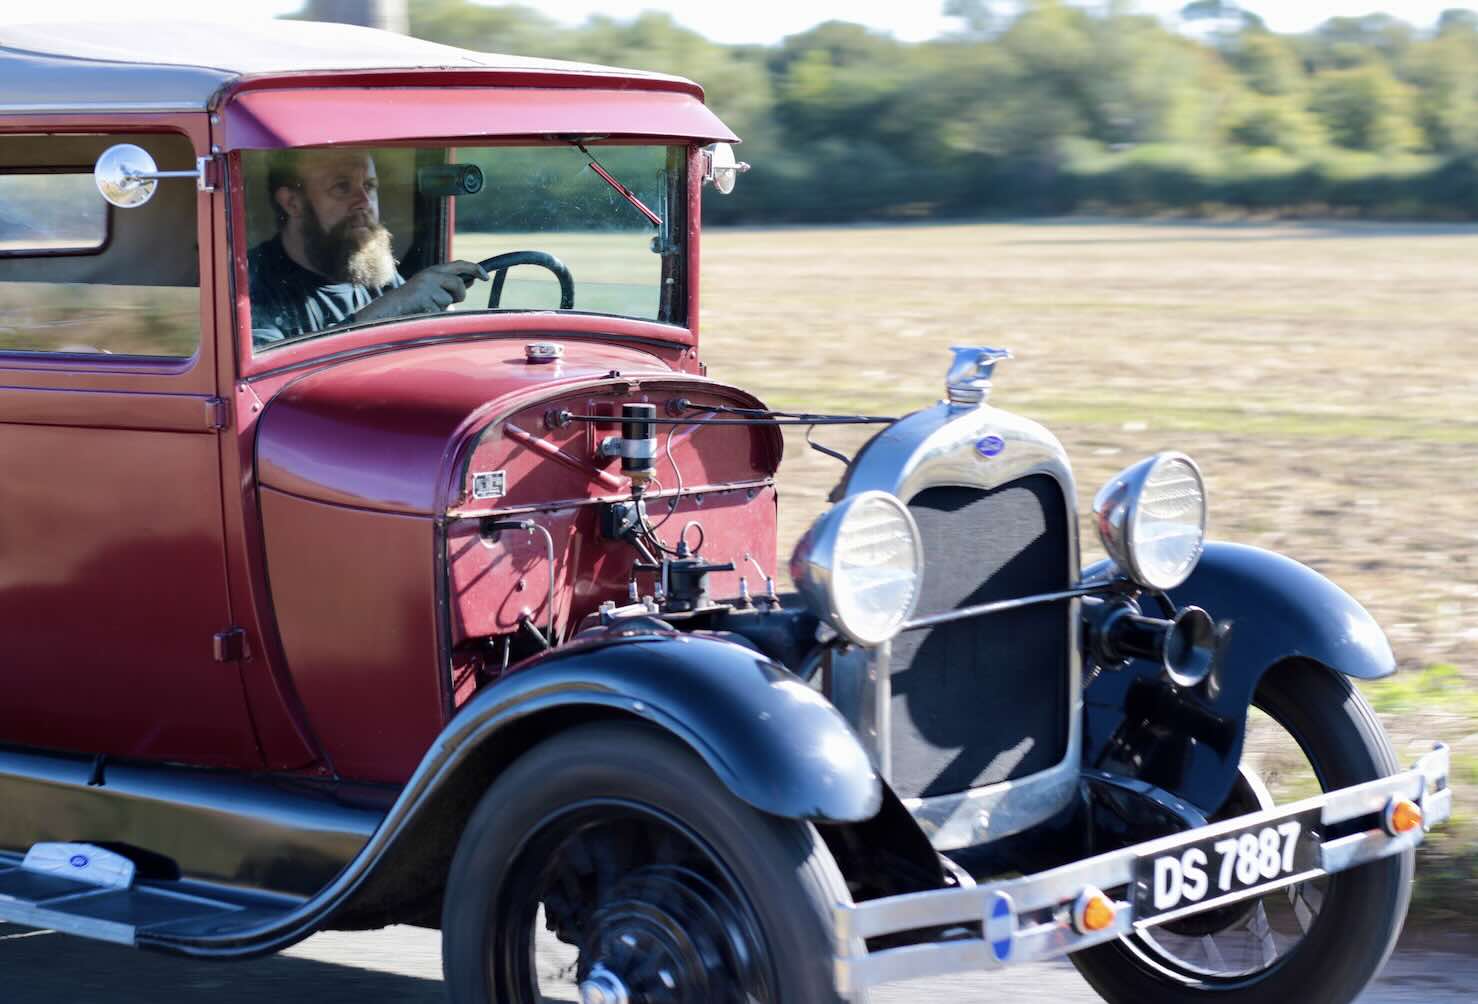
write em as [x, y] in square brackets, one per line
[548, 449]
[565, 417]
[529, 526]
[532, 526]
[1000, 606]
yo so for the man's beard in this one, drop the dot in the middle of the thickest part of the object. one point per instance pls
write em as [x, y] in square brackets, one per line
[360, 255]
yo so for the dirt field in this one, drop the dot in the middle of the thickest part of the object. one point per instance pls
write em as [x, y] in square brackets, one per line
[1324, 376]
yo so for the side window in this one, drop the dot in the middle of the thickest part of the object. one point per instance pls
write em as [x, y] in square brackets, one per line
[78, 276]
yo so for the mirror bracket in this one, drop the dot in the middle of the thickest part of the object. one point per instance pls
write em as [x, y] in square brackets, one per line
[720, 169]
[127, 176]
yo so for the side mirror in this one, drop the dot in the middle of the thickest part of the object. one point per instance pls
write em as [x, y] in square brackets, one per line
[126, 175]
[720, 167]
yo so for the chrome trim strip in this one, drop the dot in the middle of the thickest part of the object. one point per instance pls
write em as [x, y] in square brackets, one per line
[936, 447]
[1040, 925]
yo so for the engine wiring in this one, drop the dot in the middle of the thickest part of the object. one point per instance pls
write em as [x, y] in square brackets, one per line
[689, 414]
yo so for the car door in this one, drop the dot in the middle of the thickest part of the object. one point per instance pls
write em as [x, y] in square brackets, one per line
[115, 619]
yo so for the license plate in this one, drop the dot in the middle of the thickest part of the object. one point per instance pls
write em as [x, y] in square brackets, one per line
[1226, 867]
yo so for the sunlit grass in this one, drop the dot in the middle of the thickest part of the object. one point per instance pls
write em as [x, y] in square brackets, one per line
[1439, 688]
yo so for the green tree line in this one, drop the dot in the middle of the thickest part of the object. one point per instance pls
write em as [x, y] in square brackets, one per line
[1041, 106]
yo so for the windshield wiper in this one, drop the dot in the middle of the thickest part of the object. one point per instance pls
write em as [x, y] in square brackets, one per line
[625, 192]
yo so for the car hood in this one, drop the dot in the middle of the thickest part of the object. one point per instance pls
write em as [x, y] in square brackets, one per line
[383, 432]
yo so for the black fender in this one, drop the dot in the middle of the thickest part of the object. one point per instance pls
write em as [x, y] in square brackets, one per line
[1188, 741]
[771, 740]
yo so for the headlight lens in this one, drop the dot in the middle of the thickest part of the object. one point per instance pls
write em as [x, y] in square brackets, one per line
[860, 566]
[1152, 519]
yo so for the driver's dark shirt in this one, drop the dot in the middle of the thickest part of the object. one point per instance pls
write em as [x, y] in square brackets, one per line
[288, 300]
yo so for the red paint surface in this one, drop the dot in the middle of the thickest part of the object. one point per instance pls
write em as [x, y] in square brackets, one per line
[355, 599]
[112, 569]
[378, 432]
[265, 120]
[509, 75]
[112, 584]
[701, 456]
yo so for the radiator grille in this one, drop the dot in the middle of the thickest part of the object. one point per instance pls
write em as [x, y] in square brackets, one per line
[986, 699]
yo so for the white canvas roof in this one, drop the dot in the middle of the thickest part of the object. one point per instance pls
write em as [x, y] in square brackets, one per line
[178, 65]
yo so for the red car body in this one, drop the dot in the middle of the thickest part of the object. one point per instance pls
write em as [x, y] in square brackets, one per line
[199, 563]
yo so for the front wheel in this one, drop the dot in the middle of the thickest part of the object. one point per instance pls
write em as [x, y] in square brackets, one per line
[610, 864]
[1317, 942]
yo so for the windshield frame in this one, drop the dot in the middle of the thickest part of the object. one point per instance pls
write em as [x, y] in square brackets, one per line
[465, 323]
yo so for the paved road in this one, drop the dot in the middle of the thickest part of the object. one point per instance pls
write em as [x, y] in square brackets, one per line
[403, 965]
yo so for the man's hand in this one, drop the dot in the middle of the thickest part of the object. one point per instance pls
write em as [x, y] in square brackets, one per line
[430, 290]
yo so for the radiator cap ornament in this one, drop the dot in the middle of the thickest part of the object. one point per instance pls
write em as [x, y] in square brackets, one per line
[969, 377]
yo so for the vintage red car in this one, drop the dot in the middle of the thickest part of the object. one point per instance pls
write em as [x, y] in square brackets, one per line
[375, 548]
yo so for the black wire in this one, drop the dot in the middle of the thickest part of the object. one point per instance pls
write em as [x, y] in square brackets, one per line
[677, 497]
[565, 417]
[772, 413]
[834, 454]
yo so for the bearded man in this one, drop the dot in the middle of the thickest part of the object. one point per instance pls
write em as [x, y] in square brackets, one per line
[330, 262]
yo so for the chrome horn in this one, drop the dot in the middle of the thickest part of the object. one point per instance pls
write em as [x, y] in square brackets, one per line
[1188, 647]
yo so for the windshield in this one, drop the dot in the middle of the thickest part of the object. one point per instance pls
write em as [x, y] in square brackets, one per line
[344, 236]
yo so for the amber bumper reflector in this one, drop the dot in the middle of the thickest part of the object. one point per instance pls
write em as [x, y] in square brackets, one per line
[1093, 912]
[1402, 815]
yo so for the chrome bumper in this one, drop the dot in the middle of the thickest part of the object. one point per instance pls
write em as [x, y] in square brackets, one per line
[1030, 919]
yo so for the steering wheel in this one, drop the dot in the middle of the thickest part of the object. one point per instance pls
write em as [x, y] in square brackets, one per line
[498, 265]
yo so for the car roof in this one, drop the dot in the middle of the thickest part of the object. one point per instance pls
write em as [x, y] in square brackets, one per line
[178, 66]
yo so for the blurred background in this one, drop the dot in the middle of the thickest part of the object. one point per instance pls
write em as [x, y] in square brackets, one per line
[976, 107]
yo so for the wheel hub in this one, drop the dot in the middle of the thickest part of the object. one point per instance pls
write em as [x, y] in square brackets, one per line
[603, 987]
[666, 936]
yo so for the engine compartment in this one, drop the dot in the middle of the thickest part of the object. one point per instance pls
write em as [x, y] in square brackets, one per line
[539, 545]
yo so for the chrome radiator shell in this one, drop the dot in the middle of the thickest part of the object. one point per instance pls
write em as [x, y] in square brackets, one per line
[984, 448]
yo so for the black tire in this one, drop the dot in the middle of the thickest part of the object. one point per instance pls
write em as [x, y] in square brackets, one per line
[770, 878]
[1363, 909]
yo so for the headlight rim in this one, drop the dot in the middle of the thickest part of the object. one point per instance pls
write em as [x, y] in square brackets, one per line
[813, 567]
[1116, 511]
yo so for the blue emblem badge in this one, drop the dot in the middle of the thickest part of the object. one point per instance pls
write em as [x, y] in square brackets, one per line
[78, 861]
[1000, 926]
[990, 446]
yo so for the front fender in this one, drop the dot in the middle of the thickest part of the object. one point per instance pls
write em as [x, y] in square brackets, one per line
[769, 738]
[1190, 741]
[773, 741]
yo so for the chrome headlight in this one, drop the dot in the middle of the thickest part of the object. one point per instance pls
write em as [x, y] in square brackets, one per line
[860, 566]
[1152, 519]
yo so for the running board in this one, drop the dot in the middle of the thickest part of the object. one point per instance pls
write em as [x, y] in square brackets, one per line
[37, 892]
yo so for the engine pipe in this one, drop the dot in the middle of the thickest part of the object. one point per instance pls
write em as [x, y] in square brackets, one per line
[490, 527]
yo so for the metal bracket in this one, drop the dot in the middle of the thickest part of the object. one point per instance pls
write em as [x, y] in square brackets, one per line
[207, 174]
[216, 415]
[229, 645]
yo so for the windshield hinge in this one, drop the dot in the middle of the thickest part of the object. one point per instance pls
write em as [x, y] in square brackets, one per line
[230, 645]
[664, 245]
